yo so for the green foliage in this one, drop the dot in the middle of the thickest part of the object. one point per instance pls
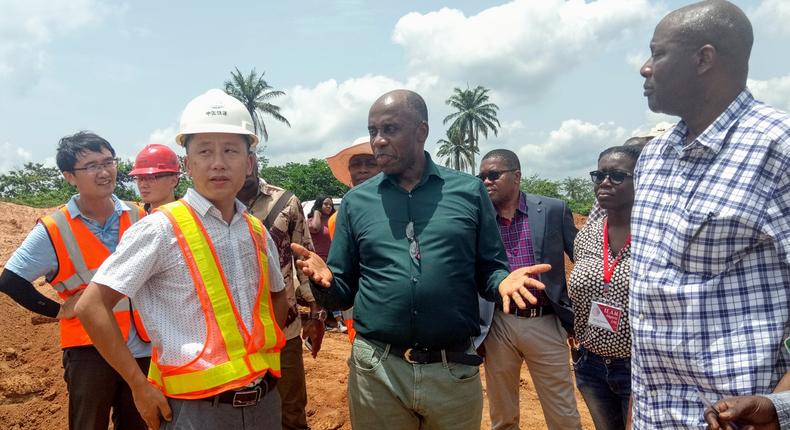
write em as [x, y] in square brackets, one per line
[459, 154]
[306, 181]
[35, 185]
[577, 192]
[254, 92]
[474, 115]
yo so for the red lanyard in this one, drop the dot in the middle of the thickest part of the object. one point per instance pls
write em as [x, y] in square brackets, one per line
[609, 270]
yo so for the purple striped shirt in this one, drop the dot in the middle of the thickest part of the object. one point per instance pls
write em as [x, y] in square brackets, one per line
[517, 238]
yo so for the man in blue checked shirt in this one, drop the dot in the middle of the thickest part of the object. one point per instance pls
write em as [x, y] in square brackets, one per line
[710, 294]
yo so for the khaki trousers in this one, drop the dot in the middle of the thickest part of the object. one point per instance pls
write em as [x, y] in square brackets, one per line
[386, 392]
[541, 342]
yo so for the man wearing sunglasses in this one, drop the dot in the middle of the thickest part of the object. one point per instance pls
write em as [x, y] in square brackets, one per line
[710, 269]
[418, 241]
[534, 229]
[67, 247]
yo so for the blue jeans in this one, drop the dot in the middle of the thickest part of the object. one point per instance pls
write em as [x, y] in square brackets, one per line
[605, 384]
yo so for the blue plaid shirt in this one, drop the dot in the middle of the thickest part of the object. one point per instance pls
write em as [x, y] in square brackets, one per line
[710, 279]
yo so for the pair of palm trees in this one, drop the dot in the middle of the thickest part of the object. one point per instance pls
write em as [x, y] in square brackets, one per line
[474, 116]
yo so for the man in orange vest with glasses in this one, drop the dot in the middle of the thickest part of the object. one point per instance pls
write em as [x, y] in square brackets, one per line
[205, 276]
[68, 247]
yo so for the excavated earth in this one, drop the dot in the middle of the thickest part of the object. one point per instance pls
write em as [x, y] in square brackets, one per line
[33, 394]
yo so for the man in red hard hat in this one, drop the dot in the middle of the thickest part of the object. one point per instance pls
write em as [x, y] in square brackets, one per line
[156, 172]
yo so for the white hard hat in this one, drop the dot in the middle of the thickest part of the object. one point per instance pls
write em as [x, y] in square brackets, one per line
[216, 112]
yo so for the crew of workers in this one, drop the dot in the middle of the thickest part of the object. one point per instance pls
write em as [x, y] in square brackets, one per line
[182, 313]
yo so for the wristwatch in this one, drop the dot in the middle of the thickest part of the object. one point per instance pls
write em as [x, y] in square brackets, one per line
[320, 315]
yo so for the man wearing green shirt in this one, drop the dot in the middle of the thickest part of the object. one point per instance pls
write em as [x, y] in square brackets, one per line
[413, 248]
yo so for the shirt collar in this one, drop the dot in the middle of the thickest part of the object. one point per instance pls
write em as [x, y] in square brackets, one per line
[74, 209]
[522, 202]
[202, 206]
[715, 135]
[430, 170]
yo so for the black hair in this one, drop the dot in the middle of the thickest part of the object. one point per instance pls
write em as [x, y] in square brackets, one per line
[631, 151]
[319, 201]
[71, 147]
[507, 156]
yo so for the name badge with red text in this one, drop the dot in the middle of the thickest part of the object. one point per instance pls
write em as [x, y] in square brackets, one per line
[605, 316]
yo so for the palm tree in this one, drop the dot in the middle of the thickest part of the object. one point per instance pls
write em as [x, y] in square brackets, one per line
[255, 93]
[460, 155]
[474, 115]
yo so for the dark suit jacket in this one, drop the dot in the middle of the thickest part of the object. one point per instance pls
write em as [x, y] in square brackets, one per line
[553, 233]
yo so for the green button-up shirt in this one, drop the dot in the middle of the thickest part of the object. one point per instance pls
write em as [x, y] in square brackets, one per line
[399, 299]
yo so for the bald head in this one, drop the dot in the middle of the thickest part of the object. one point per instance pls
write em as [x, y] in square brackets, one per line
[720, 24]
[411, 100]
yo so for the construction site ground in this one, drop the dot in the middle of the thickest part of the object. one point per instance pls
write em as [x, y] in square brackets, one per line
[33, 394]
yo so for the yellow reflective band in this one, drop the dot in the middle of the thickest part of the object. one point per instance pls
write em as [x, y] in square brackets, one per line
[269, 324]
[211, 377]
[212, 280]
[265, 360]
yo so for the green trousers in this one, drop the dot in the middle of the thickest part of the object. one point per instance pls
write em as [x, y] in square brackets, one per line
[386, 392]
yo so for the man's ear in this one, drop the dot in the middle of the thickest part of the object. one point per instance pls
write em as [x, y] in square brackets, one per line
[706, 58]
[422, 132]
[70, 178]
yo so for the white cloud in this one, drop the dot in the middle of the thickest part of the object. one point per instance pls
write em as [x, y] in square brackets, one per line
[329, 116]
[774, 91]
[774, 14]
[523, 44]
[14, 157]
[26, 30]
[571, 150]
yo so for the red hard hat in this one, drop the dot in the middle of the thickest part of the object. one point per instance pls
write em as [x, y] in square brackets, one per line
[155, 158]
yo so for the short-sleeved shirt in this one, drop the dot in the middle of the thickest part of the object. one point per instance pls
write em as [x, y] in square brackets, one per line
[36, 256]
[148, 266]
[586, 284]
[430, 301]
[288, 227]
[710, 302]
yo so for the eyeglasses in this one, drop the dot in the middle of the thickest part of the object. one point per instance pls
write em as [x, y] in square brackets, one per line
[616, 177]
[414, 246]
[493, 175]
[152, 178]
[98, 167]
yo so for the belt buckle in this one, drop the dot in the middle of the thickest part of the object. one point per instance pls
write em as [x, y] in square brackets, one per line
[247, 398]
[407, 356]
[533, 312]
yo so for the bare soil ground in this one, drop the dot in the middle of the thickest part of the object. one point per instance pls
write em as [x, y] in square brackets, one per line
[33, 394]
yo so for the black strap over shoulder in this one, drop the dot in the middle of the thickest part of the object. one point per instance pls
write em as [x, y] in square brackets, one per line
[277, 208]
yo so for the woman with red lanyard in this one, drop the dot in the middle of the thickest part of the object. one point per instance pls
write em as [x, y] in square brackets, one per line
[598, 287]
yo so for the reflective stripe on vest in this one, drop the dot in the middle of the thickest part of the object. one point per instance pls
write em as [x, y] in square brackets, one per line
[80, 253]
[232, 355]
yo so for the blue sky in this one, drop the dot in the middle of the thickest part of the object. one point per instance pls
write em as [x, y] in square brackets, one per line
[564, 73]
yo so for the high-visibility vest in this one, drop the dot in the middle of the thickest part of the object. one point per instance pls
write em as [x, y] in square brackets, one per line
[232, 355]
[80, 253]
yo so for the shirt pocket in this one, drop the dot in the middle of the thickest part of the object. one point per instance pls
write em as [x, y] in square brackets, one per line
[707, 241]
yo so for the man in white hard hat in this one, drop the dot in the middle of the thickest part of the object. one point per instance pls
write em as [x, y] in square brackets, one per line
[156, 171]
[205, 276]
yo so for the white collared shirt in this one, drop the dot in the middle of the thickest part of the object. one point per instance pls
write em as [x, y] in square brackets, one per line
[149, 267]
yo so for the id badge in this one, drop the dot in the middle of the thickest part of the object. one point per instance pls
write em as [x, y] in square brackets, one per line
[604, 316]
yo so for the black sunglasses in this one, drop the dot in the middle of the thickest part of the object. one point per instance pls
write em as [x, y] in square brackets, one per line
[616, 177]
[493, 175]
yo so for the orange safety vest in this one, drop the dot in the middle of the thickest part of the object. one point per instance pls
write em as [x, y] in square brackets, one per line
[80, 253]
[232, 355]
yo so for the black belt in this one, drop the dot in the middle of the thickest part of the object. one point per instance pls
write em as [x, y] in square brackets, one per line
[246, 396]
[417, 355]
[532, 312]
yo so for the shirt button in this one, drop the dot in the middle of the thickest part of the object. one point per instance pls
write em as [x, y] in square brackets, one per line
[414, 312]
[414, 279]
